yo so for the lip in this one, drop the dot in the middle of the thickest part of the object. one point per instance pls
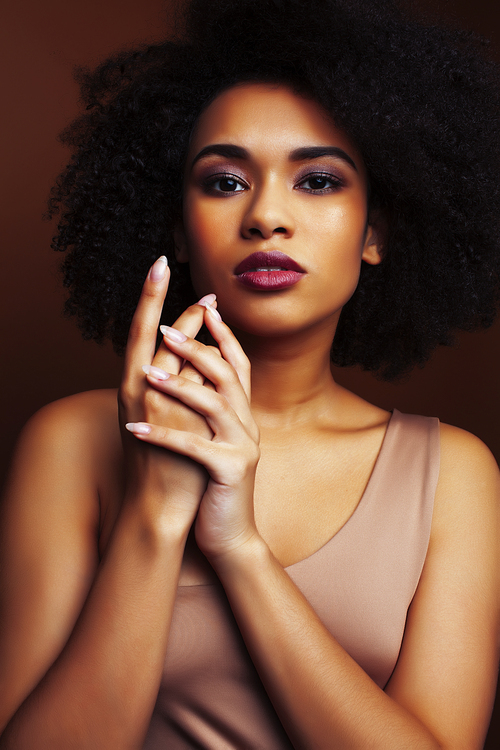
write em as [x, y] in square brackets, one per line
[285, 271]
[272, 259]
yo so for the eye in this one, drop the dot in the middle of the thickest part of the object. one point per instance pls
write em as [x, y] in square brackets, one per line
[319, 183]
[226, 183]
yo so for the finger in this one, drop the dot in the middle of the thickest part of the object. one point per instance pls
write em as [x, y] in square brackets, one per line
[215, 408]
[188, 324]
[230, 349]
[188, 372]
[215, 369]
[222, 461]
[144, 326]
[179, 441]
[191, 373]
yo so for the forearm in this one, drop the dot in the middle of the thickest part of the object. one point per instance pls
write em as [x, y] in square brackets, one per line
[101, 690]
[324, 699]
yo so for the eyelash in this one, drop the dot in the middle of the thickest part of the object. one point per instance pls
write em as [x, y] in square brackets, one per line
[210, 183]
[336, 182]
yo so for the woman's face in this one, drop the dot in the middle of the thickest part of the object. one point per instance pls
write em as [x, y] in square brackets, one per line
[275, 211]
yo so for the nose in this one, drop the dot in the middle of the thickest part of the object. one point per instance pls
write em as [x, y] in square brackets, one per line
[268, 214]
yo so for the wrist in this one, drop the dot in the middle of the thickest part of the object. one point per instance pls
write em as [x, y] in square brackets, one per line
[158, 521]
[251, 556]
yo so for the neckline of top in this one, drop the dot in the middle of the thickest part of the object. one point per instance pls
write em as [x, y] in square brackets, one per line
[377, 468]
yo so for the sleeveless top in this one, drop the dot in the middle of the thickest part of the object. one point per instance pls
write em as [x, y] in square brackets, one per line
[360, 583]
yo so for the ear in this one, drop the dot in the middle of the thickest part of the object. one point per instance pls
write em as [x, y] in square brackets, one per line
[376, 233]
[180, 242]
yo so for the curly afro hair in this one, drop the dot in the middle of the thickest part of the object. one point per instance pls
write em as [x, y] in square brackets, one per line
[421, 103]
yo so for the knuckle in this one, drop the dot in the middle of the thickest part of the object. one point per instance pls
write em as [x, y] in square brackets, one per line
[251, 451]
[139, 329]
[191, 318]
[195, 347]
[215, 350]
[222, 405]
[192, 442]
[161, 434]
[126, 395]
[152, 291]
[152, 401]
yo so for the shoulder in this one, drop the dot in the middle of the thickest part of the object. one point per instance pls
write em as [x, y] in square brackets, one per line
[76, 411]
[464, 477]
[467, 509]
[77, 432]
[77, 415]
[66, 454]
[462, 458]
[467, 465]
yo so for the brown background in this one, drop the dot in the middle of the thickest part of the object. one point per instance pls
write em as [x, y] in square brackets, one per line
[42, 355]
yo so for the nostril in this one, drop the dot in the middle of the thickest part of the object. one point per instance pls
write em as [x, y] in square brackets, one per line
[281, 230]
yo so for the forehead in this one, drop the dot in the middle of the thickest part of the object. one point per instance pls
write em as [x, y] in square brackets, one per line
[257, 115]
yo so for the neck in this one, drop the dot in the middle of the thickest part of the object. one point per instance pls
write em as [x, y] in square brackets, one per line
[291, 376]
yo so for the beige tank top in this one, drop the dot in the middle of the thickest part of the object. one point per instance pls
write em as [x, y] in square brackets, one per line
[360, 583]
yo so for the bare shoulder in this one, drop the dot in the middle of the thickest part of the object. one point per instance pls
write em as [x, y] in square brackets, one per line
[83, 427]
[65, 453]
[458, 444]
[469, 477]
[76, 412]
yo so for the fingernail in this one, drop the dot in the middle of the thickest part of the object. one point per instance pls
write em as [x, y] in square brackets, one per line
[155, 372]
[214, 312]
[158, 269]
[173, 334]
[138, 428]
[206, 300]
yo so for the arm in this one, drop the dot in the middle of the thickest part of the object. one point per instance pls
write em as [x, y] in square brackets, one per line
[441, 693]
[83, 643]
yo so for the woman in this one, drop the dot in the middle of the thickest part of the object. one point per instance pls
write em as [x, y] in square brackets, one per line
[246, 554]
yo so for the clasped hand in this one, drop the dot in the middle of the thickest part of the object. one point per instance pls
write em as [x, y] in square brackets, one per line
[195, 445]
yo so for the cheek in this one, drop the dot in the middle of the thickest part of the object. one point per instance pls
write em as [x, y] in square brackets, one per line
[208, 231]
[339, 237]
[199, 227]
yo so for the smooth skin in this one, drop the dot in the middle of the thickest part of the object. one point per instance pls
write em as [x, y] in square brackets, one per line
[92, 554]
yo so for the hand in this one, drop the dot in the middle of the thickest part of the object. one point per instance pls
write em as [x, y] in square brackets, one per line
[156, 474]
[230, 455]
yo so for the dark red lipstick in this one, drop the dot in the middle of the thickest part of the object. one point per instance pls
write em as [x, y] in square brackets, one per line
[268, 271]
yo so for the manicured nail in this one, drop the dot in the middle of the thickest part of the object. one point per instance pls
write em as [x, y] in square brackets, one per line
[208, 299]
[138, 428]
[173, 334]
[155, 372]
[214, 312]
[158, 269]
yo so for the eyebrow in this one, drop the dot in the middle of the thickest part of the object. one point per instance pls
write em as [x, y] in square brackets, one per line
[222, 149]
[305, 153]
[315, 152]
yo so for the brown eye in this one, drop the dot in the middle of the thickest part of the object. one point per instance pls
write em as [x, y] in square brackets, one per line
[224, 184]
[228, 185]
[319, 183]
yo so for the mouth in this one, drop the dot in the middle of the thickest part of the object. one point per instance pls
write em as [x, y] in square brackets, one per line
[268, 271]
